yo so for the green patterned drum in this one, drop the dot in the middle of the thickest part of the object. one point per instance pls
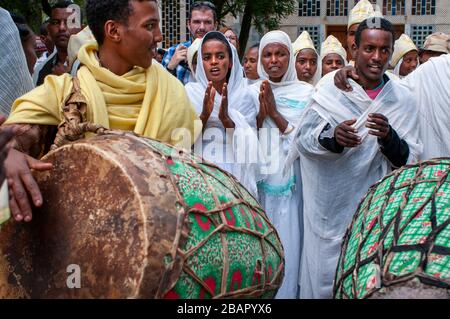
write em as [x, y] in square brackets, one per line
[140, 219]
[398, 244]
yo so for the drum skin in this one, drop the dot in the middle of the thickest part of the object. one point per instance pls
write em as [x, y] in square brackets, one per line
[114, 208]
[398, 244]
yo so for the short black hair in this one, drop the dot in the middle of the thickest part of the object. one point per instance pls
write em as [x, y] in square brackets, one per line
[43, 29]
[48, 6]
[374, 23]
[216, 35]
[254, 46]
[100, 11]
[203, 5]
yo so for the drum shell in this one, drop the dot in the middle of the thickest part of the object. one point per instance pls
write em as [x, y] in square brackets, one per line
[397, 245]
[113, 209]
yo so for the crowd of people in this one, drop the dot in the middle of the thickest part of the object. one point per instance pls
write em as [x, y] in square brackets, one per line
[306, 131]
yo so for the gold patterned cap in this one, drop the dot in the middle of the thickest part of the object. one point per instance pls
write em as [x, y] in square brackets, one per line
[402, 45]
[303, 41]
[362, 11]
[438, 42]
[332, 45]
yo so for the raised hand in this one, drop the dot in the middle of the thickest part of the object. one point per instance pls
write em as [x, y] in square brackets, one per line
[345, 134]
[208, 103]
[262, 114]
[179, 56]
[223, 111]
[271, 106]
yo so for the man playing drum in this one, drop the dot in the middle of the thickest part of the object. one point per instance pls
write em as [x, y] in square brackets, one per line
[121, 87]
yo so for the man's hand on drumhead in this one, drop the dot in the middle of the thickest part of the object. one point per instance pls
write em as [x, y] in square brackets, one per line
[21, 184]
[341, 78]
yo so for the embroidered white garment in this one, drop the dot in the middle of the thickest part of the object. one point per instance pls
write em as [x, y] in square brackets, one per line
[333, 184]
[228, 149]
[281, 195]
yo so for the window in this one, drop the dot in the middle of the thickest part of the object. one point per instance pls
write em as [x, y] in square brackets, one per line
[419, 32]
[337, 8]
[394, 7]
[371, 1]
[423, 7]
[309, 8]
[188, 9]
[170, 16]
[314, 33]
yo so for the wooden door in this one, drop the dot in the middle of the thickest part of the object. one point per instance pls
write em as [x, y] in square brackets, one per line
[340, 32]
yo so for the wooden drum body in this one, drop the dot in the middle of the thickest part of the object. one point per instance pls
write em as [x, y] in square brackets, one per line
[139, 219]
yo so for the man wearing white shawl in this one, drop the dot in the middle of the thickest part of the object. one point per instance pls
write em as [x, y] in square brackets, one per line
[227, 111]
[429, 85]
[281, 99]
[347, 142]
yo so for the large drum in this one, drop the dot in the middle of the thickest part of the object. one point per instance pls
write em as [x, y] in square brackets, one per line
[129, 217]
[398, 244]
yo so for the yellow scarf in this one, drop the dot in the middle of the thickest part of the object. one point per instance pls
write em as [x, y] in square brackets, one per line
[150, 102]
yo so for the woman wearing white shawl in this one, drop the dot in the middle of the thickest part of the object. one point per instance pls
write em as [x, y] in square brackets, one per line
[335, 180]
[281, 99]
[225, 144]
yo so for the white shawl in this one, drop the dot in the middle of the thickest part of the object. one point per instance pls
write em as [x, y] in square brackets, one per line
[334, 183]
[291, 98]
[430, 87]
[235, 150]
[15, 78]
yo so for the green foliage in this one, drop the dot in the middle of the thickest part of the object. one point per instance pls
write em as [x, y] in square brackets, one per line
[266, 14]
[263, 14]
[31, 10]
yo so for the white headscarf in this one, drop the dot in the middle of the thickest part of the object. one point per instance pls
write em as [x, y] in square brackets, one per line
[192, 50]
[281, 38]
[241, 110]
[291, 98]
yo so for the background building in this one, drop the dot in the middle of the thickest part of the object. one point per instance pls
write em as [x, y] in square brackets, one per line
[417, 18]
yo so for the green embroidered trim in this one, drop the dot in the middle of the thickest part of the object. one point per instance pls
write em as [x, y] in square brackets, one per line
[278, 190]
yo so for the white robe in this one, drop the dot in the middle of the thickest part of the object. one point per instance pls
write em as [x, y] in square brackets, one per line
[430, 86]
[226, 148]
[280, 194]
[15, 78]
[333, 184]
